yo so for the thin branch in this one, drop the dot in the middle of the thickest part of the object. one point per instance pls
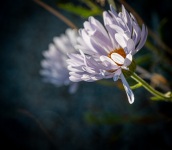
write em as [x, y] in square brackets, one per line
[56, 13]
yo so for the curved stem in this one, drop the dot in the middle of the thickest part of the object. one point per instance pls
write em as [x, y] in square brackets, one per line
[136, 86]
[156, 93]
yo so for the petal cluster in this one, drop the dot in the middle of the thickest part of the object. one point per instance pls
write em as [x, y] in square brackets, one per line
[105, 50]
[54, 66]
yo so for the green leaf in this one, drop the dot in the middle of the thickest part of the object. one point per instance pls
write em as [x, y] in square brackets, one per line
[80, 11]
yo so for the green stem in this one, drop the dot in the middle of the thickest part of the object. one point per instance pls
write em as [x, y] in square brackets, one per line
[159, 95]
[136, 86]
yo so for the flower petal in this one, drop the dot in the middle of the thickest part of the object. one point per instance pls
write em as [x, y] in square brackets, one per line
[120, 39]
[113, 10]
[130, 45]
[128, 60]
[107, 60]
[99, 26]
[117, 28]
[144, 34]
[117, 75]
[75, 79]
[129, 92]
[117, 58]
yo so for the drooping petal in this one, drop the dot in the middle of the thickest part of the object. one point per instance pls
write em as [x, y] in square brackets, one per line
[129, 92]
[117, 75]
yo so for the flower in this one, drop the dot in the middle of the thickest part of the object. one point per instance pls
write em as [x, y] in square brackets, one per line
[107, 51]
[54, 66]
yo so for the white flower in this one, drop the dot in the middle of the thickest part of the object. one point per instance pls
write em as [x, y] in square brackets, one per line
[54, 65]
[107, 50]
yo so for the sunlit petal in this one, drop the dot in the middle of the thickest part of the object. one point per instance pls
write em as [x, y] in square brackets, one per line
[128, 90]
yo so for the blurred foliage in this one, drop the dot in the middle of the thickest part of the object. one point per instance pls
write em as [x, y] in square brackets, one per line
[91, 9]
[108, 118]
[143, 59]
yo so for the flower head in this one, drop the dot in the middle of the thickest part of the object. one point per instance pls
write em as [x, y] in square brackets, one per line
[105, 51]
[54, 65]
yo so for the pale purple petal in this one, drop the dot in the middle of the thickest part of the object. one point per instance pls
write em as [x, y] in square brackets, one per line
[86, 39]
[128, 60]
[144, 34]
[99, 26]
[113, 11]
[117, 75]
[130, 46]
[136, 33]
[127, 19]
[107, 60]
[108, 63]
[100, 49]
[76, 69]
[75, 79]
[121, 40]
[72, 36]
[129, 92]
[117, 58]
[54, 65]
[116, 28]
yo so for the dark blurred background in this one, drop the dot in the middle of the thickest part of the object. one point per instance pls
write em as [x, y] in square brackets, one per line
[39, 116]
